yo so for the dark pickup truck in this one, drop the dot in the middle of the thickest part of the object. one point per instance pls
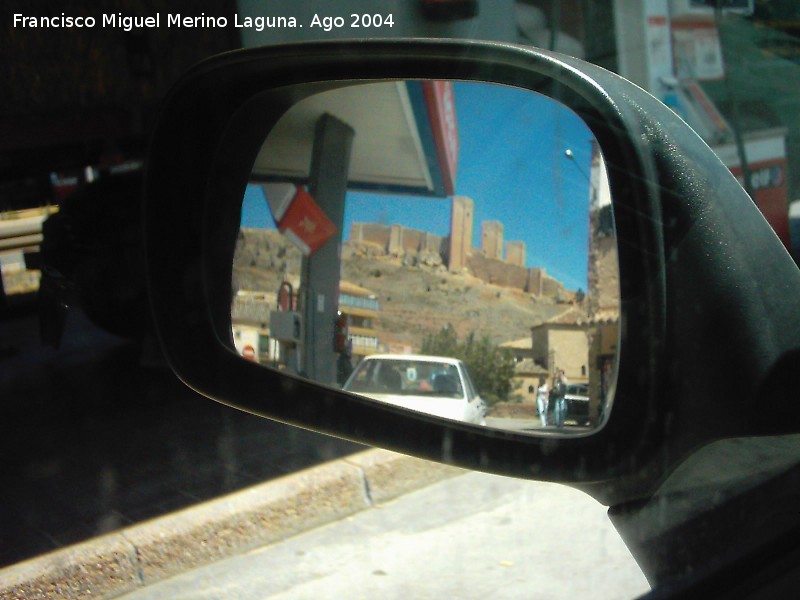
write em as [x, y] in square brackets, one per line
[577, 397]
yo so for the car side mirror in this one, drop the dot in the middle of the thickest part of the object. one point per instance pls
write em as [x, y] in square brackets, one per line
[688, 312]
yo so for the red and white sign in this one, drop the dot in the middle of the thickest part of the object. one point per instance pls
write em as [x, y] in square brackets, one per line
[768, 182]
[697, 50]
[249, 352]
[298, 217]
[657, 49]
[766, 154]
[441, 106]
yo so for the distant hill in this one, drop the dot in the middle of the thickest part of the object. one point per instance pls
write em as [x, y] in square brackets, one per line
[417, 294]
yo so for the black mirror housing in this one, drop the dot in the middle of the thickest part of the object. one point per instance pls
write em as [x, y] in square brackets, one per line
[692, 289]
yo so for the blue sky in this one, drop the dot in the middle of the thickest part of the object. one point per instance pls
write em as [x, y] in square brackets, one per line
[512, 164]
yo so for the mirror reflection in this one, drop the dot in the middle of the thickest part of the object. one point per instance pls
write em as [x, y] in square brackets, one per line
[447, 247]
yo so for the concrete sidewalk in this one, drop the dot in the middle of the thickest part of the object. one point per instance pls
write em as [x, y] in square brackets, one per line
[470, 537]
[141, 555]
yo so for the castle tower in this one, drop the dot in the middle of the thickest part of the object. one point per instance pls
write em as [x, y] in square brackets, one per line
[492, 239]
[461, 215]
[515, 253]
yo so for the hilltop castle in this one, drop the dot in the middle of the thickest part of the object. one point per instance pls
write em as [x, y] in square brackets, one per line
[497, 262]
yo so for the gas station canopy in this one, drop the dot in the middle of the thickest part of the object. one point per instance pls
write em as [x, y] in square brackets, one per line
[406, 138]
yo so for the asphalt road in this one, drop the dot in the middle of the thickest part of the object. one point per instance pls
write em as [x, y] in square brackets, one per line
[473, 536]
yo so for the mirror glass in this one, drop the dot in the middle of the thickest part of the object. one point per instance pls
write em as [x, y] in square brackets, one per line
[443, 246]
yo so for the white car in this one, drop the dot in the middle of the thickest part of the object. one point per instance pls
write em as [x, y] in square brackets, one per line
[431, 384]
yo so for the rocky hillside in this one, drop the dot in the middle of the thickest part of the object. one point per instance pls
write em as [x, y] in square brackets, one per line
[417, 294]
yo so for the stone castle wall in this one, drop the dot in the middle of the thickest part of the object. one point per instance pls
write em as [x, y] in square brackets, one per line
[399, 240]
[395, 238]
[497, 272]
[370, 233]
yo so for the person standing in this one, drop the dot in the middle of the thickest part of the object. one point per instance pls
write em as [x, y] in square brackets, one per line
[344, 363]
[558, 399]
[542, 400]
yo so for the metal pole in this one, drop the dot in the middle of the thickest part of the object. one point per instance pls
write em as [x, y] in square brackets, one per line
[330, 163]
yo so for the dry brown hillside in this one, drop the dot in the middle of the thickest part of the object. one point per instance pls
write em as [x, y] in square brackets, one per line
[417, 294]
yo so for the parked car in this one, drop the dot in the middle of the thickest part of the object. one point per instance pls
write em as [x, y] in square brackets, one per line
[431, 384]
[577, 399]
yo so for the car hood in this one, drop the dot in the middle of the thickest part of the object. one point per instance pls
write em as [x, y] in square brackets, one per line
[449, 408]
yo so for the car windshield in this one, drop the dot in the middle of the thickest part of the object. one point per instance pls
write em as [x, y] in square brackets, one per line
[100, 440]
[406, 378]
[577, 390]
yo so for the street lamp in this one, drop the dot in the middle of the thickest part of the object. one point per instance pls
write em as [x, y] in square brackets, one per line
[570, 155]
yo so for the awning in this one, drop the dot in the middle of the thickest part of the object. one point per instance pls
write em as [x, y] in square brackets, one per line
[406, 138]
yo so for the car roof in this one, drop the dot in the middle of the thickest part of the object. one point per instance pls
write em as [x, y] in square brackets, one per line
[414, 357]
